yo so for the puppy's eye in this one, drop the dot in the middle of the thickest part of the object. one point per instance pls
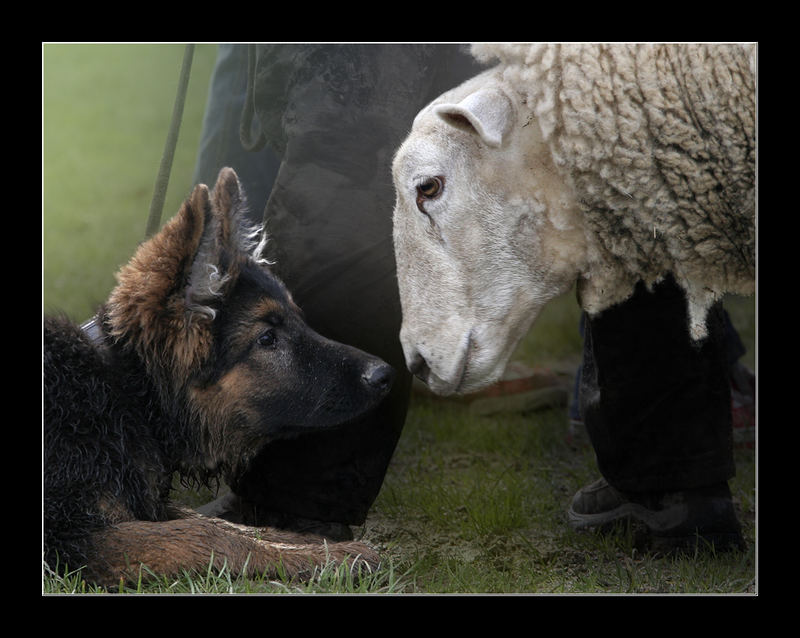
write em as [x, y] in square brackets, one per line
[267, 339]
[431, 188]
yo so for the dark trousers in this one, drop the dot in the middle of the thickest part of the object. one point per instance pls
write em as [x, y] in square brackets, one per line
[657, 406]
[320, 126]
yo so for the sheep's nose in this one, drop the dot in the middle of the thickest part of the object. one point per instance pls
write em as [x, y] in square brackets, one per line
[418, 366]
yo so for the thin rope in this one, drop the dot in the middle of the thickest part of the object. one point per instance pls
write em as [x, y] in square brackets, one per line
[162, 179]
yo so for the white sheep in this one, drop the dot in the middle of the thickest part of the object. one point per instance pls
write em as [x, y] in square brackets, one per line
[601, 164]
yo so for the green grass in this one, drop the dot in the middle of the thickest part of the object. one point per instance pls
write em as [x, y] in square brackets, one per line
[329, 579]
[470, 504]
[483, 510]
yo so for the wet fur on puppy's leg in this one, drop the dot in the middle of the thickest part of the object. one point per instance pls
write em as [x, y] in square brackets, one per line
[192, 543]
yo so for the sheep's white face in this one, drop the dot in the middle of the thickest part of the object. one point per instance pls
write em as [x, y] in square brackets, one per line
[485, 233]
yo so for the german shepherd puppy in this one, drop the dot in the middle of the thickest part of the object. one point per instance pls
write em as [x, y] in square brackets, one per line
[198, 359]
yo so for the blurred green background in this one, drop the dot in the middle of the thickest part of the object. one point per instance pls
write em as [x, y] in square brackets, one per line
[106, 114]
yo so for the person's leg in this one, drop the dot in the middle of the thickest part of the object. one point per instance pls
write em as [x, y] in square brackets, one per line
[220, 142]
[743, 393]
[336, 114]
[657, 408]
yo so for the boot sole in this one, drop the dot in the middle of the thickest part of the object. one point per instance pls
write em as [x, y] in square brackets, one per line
[667, 529]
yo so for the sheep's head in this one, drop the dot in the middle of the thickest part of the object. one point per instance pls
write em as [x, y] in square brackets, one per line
[486, 232]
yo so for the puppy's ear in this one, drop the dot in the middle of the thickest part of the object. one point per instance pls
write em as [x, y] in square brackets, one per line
[228, 206]
[148, 307]
[489, 112]
[216, 264]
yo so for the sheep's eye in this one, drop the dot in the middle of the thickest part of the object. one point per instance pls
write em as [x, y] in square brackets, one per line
[267, 339]
[427, 190]
[431, 187]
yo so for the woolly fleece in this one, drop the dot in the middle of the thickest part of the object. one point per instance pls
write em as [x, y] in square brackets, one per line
[659, 143]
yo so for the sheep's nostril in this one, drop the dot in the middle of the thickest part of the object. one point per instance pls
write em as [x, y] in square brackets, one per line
[419, 367]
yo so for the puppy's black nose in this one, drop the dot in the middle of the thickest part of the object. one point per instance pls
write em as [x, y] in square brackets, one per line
[379, 376]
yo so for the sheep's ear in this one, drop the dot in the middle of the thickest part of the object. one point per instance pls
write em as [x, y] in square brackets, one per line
[488, 111]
